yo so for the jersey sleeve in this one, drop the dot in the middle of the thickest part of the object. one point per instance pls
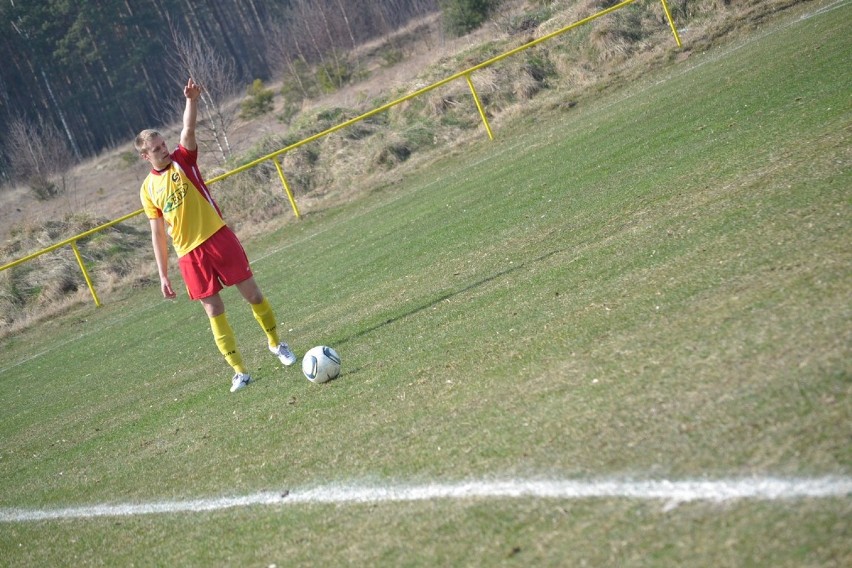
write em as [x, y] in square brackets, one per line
[182, 155]
[151, 210]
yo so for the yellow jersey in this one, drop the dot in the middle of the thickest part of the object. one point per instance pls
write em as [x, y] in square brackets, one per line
[179, 195]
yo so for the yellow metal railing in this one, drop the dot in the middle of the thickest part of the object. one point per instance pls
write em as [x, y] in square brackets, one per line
[466, 74]
[73, 243]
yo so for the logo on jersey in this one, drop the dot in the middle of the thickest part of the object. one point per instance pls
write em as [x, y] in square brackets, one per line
[176, 199]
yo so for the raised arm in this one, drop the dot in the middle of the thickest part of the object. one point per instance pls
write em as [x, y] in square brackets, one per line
[187, 135]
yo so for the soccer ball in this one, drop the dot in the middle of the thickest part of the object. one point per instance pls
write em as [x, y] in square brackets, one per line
[321, 364]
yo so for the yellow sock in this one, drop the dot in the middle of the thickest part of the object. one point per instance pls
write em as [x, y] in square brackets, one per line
[264, 316]
[225, 340]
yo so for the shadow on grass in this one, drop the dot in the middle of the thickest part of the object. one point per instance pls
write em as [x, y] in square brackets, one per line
[451, 294]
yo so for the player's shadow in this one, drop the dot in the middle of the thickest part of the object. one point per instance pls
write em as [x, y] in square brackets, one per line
[448, 296]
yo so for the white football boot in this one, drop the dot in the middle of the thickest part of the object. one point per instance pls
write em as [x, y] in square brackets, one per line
[239, 381]
[282, 351]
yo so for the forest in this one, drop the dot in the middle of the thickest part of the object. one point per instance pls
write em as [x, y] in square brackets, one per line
[88, 75]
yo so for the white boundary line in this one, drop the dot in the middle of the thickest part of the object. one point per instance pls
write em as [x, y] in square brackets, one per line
[671, 493]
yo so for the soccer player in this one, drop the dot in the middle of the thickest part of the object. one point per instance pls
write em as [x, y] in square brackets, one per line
[176, 200]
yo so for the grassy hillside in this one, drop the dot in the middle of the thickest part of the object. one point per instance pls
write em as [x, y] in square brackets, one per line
[651, 285]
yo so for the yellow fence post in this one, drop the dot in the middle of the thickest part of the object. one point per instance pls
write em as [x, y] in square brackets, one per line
[671, 22]
[287, 188]
[479, 107]
[85, 273]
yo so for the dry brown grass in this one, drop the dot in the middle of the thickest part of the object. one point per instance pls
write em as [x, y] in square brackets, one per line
[52, 283]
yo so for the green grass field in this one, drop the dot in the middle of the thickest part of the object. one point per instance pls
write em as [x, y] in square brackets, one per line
[653, 285]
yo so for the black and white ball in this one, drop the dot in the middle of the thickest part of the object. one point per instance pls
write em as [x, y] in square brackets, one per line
[321, 364]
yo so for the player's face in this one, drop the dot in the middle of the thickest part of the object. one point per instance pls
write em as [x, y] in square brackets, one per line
[155, 151]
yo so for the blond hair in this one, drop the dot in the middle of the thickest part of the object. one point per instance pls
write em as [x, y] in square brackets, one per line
[143, 137]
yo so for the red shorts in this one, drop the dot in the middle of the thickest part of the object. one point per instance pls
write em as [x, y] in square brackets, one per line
[217, 262]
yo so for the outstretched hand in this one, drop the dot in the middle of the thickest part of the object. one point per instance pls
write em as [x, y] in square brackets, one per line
[192, 90]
